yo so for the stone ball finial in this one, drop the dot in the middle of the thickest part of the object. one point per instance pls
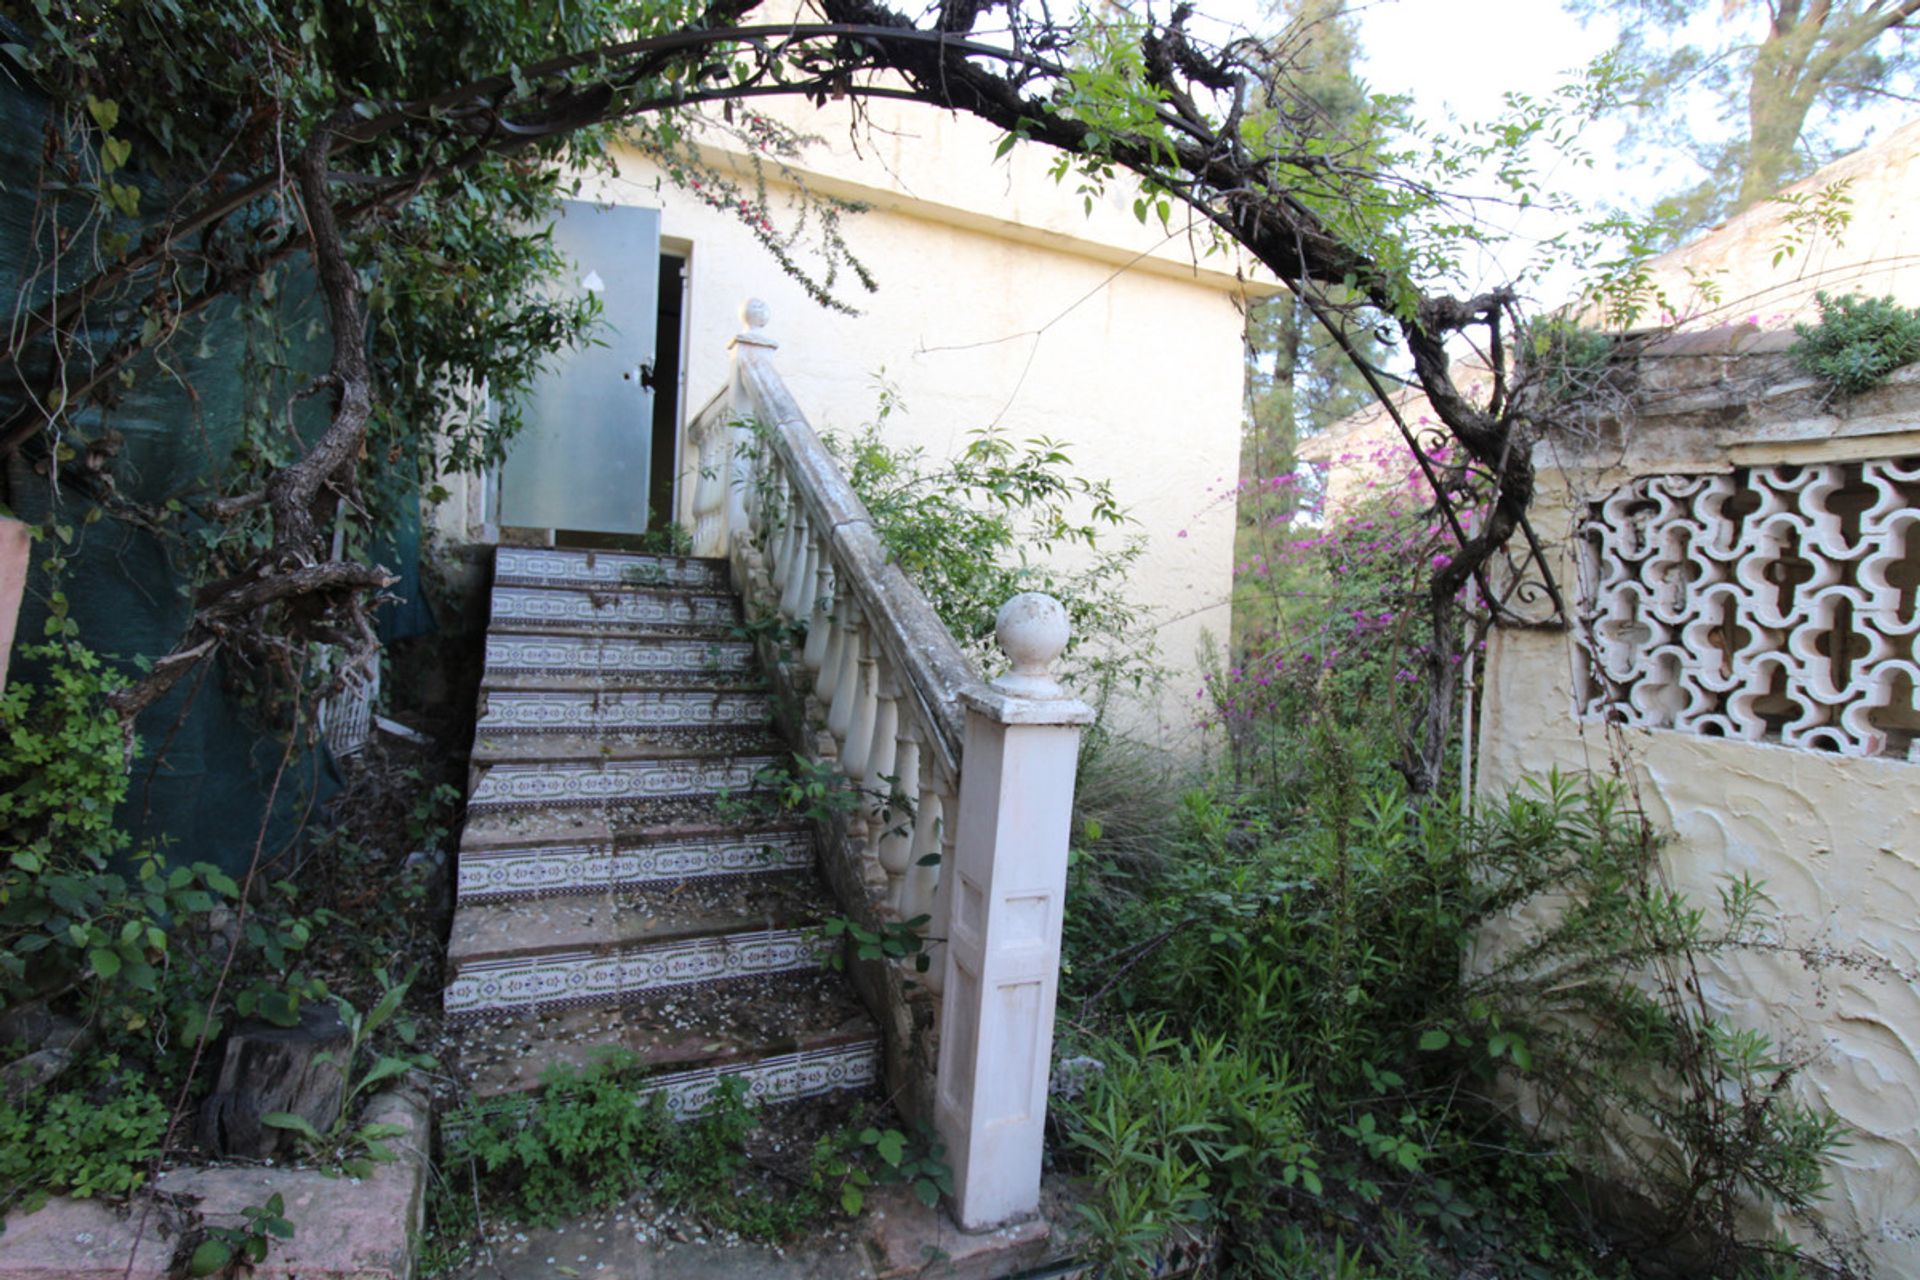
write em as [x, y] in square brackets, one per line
[754, 314]
[1032, 630]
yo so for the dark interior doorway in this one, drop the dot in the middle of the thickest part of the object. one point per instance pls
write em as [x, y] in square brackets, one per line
[667, 379]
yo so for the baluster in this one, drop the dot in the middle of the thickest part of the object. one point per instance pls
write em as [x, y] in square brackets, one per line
[883, 751]
[846, 685]
[939, 896]
[827, 683]
[809, 578]
[916, 897]
[780, 507]
[709, 495]
[870, 742]
[820, 624]
[896, 821]
[738, 469]
[799, 567]
[863, 719]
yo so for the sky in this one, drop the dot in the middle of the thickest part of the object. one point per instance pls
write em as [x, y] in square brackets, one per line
[1456, 59]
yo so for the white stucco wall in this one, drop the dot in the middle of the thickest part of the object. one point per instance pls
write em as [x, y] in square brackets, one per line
[1835, 839]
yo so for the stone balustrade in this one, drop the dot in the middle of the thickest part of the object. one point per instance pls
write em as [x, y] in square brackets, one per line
[974, 858]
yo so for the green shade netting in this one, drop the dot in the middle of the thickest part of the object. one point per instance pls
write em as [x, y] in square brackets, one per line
[201, 782]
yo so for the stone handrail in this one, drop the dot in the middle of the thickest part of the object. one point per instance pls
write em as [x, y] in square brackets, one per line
[973, 858]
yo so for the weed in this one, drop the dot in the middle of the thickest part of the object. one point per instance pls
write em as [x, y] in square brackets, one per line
[1859, 341]
[84, 1142]
[232, 1251]
[350, 1145]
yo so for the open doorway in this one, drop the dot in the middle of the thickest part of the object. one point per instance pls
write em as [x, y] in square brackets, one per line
[597, 461]
[669, 389]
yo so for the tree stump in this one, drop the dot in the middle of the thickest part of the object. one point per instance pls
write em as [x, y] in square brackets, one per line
[299, 1069]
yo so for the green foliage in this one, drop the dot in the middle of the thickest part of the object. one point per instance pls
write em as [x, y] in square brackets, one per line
[812, 789]
[237, 1250]
[82, 916]
[1000, 518]
[1380, 968]
[592, 1138]
[90, 1141]
[891, 940]
[1184, 1133]
[352, 1145]
[1859, 341]
[584, 1143]
[1565, 362]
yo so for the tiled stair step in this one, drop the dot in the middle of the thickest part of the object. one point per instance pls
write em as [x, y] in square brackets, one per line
[568, 608]
[599, 655]
[497, 985]
[600, 746]
[556, 783]
[797, 1035]
[559, 567]
[584, 711]
[606, 923]
[525, 869]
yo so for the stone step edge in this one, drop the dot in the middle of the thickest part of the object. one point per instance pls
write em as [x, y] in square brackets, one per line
[534, 872]
[635, 749]
[636, 631]
[511, 986]
[689, 1090]
[633, 837]
[714, 587]
[630, 710]
[741, 770]
[602, 933]
[716, 563]
[621, 682]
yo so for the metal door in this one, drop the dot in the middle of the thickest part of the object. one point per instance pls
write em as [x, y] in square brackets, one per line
[581, 459]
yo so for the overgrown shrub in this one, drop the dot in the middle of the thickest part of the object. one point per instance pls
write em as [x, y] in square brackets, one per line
[1337, 632]
[86, 921]
[1858, 342]
[996, 519]
[587, 1141]
[1368, 958]
[90, 1141]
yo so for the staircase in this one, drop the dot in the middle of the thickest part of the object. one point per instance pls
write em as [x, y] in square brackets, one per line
[606, 896]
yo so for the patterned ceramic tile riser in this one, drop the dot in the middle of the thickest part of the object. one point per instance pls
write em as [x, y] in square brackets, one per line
[496, 874]
[553, 567]
[519, 984]
[522, 786]
[786, 1078]
[556, 606]
[616, 655]
[554, 711]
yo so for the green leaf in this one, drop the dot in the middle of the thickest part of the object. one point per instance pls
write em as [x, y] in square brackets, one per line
[891, 1146]
[105, 111]
[210, 1257]
[293, 1123]
[105, 963]
[1435, 1039]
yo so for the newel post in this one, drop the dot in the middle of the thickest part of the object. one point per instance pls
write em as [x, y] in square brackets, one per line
[744, 346]
[1006, 890]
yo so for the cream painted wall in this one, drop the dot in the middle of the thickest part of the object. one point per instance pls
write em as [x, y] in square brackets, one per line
[1835, 839]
